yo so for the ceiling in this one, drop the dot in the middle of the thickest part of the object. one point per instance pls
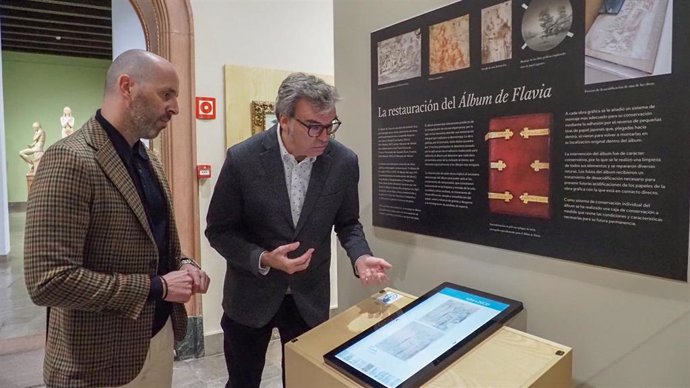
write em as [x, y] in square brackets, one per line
[76, 28]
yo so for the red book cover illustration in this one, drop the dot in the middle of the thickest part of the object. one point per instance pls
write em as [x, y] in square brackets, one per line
[519, 165]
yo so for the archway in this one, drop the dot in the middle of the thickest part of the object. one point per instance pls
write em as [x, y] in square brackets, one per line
[168, 29]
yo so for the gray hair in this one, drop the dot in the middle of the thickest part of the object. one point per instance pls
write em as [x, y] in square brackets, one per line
[139, 64]
[300, 85]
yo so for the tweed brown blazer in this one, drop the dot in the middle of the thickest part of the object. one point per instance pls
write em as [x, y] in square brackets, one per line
[89, 255]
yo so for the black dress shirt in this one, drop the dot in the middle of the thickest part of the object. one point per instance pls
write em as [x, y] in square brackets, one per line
[138, 165]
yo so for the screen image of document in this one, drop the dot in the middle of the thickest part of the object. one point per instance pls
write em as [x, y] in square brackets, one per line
[399, 349]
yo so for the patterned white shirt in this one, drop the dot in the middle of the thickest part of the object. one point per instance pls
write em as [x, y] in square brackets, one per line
[297, 175]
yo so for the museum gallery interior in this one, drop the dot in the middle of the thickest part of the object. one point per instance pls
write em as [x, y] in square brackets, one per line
[522, 165]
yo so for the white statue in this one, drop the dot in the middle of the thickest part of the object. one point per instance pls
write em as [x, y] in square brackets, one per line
[33, 153]
[67, 122]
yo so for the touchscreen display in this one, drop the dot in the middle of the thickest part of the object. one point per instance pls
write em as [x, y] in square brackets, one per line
[390, 354]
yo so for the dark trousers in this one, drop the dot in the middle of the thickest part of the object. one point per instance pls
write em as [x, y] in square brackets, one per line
[245, 347]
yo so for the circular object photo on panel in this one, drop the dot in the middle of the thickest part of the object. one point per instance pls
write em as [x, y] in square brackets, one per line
[546, 23]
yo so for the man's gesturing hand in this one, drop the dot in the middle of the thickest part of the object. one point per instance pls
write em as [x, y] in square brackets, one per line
[372, 270]
[278, 259]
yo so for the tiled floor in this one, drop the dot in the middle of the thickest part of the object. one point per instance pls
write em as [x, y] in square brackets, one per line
[210, 371]
[23, 370]
[22, 325]
[19, 317]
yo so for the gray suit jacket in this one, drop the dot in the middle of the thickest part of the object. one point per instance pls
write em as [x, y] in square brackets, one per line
[250, 213]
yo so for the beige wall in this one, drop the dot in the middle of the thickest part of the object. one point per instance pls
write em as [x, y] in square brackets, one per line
[627, 330]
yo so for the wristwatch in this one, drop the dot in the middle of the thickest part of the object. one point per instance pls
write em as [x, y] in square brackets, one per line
[186, 260]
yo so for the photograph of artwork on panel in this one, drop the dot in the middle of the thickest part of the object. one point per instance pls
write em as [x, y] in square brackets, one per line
[546, 23]
[400, 57]
[449, 45]
[627, 41]
[519, 165]
[497, 31]
[563, 135]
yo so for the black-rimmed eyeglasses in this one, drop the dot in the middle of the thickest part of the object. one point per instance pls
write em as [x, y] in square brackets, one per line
[315, 130]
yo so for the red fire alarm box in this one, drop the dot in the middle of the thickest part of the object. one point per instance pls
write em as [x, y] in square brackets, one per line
[203, 171]
[205, 108]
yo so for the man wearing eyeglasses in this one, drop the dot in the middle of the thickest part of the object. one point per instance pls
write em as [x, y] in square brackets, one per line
[277, 198]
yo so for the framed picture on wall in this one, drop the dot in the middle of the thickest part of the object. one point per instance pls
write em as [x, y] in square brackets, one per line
[262, 115]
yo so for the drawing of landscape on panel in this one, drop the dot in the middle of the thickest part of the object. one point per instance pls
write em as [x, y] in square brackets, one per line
[400, 58]
[449, 45]
[546, 23]
[408, 341]
[630, 38]
[497, 33]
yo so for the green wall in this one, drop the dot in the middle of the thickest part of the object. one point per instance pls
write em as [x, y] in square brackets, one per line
[36, 88]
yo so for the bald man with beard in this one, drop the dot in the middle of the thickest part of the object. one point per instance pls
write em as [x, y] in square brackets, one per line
[101, 249]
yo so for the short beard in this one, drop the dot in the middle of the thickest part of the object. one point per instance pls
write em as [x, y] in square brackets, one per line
[142, 124]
